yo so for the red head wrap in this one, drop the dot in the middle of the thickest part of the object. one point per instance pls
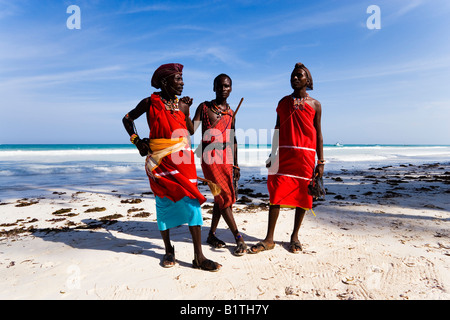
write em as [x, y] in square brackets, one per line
[164, 71]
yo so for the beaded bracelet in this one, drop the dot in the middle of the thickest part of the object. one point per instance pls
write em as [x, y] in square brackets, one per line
[133, 138]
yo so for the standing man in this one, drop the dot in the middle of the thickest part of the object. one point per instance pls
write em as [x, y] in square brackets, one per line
[292, 162]
[170, 161]
[219, 158]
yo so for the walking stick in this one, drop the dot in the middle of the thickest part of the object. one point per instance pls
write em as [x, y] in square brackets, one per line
[239, 106]
[235, 182]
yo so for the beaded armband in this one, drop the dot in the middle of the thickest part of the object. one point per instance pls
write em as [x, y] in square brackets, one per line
[133, 138]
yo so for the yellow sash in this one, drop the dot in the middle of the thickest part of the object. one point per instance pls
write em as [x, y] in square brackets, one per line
[162, 148]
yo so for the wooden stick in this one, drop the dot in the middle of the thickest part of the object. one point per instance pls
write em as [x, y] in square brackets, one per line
[239, 106]
[235, 184]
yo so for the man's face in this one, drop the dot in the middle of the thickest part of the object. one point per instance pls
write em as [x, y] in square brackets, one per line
[299, 79]
[175, 84]
[223, 88]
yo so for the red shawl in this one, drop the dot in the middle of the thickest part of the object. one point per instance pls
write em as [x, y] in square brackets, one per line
[294, 167]
[217, 160]
[176, 176]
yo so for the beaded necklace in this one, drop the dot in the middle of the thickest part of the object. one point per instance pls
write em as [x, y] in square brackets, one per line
[171, 105]
[206, 123]
[299, 103]
[218, 111]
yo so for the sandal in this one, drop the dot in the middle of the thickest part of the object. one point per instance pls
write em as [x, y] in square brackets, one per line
[295, 247]
[241, 246]
[207, 265]
[261, 246]
[214, 241]
[169, 259]
[241, 249]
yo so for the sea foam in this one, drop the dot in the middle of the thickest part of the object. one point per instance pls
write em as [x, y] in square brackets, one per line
[33, 168]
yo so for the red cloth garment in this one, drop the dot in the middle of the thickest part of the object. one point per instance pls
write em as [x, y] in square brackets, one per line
[293, 169]
[217, 159]
[176, 176]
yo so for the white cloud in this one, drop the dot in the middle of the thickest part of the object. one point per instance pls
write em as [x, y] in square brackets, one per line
[63, 77]
[147, 8]
[393, 68]
[9, 8]
[133, 9]
[298, 21]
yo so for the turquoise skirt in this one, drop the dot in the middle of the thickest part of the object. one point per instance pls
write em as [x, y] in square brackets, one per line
[171, 214]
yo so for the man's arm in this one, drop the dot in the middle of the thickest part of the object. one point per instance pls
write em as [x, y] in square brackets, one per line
[197, 120]
[275, 142]
[184, 105]
[128, 120]
[236, 169]
[128, 123]
[319, 137]
[235, 145]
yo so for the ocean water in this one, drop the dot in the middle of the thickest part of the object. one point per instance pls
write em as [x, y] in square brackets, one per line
[26, 170]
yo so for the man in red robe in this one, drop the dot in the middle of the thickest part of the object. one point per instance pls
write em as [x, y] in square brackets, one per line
[219, 158]
[170, 162]
[297, 143]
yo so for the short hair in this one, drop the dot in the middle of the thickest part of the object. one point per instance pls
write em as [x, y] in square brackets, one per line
[216, 80]
[300, 65]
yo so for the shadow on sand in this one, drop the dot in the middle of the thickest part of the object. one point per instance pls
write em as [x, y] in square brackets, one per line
[105, 235]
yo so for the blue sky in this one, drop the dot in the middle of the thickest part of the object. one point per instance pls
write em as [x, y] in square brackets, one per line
[386, 86]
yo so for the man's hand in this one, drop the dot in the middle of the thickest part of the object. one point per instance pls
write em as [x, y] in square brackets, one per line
[184, 104]
[270, 160]
[143, 147]
[319, 170]
[236, 173]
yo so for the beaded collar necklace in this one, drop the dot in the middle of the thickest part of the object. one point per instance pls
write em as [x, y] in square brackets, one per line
[299, 103]
[218, 111]
[171, 105]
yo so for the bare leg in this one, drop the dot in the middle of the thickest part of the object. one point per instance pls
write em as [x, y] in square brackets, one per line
[268, 242]
[227, 215]
[215, 218]
[295, 245]
[196, 239]
[212, 239]
[199, 258]
[169, 257]
[274, 212]
[299, 215]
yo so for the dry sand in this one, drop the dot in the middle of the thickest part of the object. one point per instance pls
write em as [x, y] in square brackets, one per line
[381, 233]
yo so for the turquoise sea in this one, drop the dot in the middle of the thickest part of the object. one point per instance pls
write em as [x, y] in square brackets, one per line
[26, 169]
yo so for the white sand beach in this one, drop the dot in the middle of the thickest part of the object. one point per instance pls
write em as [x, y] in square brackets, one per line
[382, 233]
